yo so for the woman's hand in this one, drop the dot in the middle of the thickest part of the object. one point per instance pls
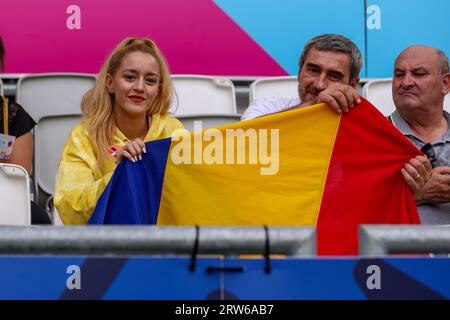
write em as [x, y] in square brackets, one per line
[132, 151]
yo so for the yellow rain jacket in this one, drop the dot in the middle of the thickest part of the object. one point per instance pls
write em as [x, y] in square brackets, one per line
[80, 181]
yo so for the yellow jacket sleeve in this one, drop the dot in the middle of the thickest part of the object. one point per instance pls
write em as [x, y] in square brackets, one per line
[80, 181]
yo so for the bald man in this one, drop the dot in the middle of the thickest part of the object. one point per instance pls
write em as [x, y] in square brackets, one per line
[421, 81]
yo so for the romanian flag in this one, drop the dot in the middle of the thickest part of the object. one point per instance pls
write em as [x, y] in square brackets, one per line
[307, 166]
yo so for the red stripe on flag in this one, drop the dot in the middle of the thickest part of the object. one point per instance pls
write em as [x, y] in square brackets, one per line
[364, 184]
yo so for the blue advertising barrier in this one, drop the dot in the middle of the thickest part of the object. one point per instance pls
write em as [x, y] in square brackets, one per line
[170, 278]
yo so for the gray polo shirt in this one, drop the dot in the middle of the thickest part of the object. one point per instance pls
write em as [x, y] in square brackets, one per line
[429, 213]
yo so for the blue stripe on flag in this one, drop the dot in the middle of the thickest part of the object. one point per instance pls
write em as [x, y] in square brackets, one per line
[140, 189]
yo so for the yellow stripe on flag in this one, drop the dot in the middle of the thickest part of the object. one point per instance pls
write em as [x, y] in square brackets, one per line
[249, 193]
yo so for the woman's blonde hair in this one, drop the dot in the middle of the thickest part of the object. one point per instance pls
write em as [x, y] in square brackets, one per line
[97, 103]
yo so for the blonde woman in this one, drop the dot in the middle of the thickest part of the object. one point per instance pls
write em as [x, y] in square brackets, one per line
[127, 106]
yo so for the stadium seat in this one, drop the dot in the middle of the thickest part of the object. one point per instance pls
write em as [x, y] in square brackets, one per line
[53, 100]
[50, 135]
[53, 94]
[285, 87]
[14, 195]
[379, 93]
[56, 219]
[207, 120]
[360, 85]
[197, 94]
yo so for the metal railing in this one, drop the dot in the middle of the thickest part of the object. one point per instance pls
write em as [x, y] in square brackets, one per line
[379, 240]
[101, 240]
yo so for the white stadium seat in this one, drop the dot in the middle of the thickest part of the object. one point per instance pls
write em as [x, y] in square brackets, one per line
[53, 100]
[52, 94]
[196, 94]
[50, 137]
[15, 206]
[284, 87]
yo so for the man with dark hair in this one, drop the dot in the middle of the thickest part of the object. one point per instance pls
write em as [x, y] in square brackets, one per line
[329, 69]
[421, 82]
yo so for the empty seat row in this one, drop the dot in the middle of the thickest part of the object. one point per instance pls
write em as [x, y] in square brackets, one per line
[194, 94]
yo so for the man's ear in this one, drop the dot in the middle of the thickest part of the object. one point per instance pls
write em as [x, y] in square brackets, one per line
[109, 84]
[354, 82]
[446, 83]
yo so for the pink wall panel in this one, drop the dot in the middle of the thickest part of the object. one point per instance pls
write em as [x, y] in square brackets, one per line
[196, 36]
